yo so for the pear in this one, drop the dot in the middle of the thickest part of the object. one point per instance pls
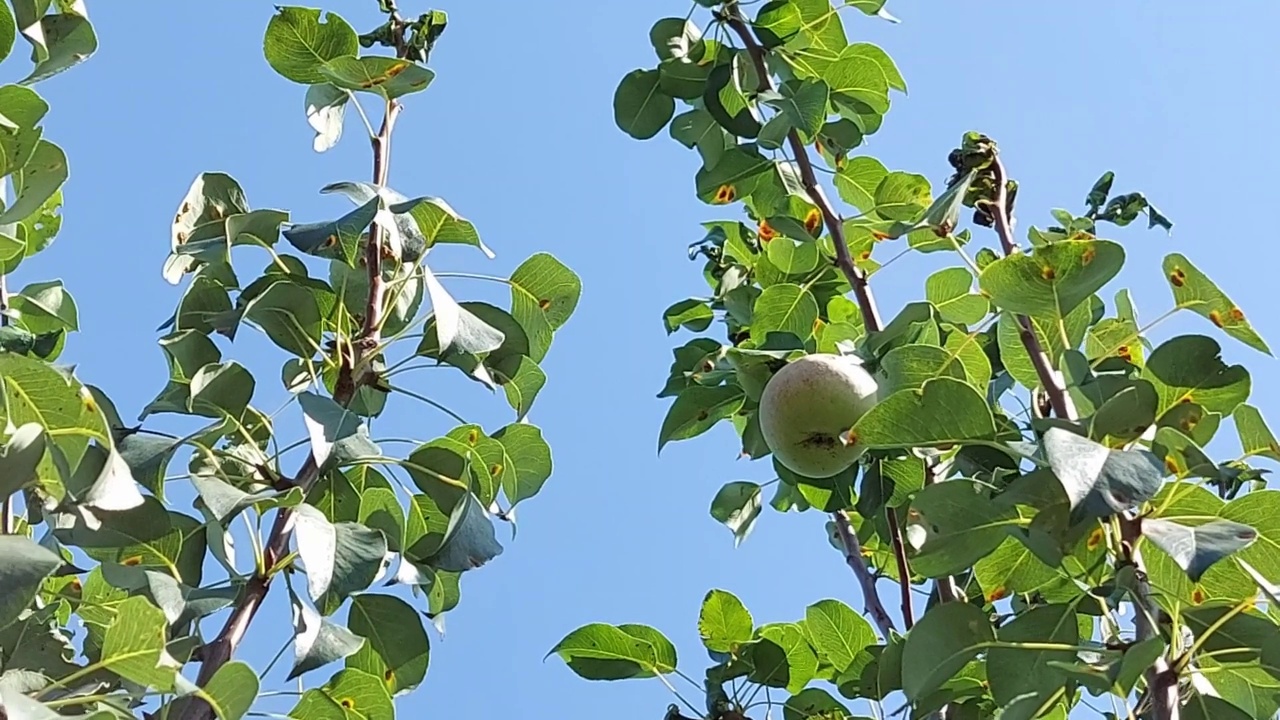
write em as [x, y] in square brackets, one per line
[808, 406]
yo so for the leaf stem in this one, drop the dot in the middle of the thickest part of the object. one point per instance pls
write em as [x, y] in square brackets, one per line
[1162, 679]
[6, 506]
[732, 16]
[432, 403]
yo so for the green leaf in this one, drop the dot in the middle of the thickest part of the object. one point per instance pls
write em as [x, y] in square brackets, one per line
[69, 39]
[733, 177]
[777, 22]
[784, 308]
[396, 647]
[812, 704]
[388, 77]
[640, 107]
[1015, 671]
[697, 129]
[24, 565]
[693, 313]
[318, 641]
[349, 695]
[911, 366]
[1255, 437]
[837, 632]
[298, 43]
[232, 690]
[902, 196]
[941, 643]
[792, 668]
[38, 180]
[380, 510]
[943, 412]
[1193, 290]
[334, 239]
[1207, 707]
[221, 390]
[674, 38]
[1189, 368]
[33, 391]
[544, 294]
[341, 558]
[525, 462]
[521, 379]
[804, 104]
[736, 506]
[19, 458]
[1196, 549]
[857, 180]
[724, 623]
[326, 106]
[953, 525]
[603, 652]
[46, 307]
[950, 291]
[134, 645]
[439, 224]
[1098, 480]
[8, 31]
[1054, 279]
[725, 95]
[226, 501]
[697, 409]
[469, 539]
[338, 435]
[290, 315]
[877, 55]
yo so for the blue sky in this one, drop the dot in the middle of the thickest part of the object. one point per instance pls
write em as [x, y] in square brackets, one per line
[517, 133]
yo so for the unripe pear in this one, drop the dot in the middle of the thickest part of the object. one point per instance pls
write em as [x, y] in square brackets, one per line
[808, 406]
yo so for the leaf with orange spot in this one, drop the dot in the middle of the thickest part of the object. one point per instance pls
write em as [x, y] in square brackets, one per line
[1255, 437]
[1054, 280]
[349, 693]
[1194, 291]
[396, 647]
[389, 77]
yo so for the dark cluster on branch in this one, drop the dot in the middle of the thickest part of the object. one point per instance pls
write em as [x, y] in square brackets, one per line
[977, 153]
[411, 39]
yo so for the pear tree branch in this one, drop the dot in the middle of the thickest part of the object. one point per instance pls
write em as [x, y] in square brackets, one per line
[1162, 681]
[732, 17]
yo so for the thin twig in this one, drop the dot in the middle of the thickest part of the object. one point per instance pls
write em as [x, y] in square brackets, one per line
[219, 651]
[870, 317]
[7, 523]
[1162, 681]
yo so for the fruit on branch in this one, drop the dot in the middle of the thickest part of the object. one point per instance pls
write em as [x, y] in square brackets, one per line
[809, 405]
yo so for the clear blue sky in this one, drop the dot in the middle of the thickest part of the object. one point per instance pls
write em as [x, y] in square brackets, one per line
[517, 133]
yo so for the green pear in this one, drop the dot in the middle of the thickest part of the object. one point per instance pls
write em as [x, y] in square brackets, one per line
[808, 406]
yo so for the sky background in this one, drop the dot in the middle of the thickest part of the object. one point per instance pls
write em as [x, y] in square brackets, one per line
[517, 134]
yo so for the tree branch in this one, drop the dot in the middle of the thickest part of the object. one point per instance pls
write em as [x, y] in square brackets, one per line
[732, 16]
[1162, 681]
[351, 377]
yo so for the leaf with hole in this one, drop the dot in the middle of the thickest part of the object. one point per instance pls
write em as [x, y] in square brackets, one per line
[298, 42]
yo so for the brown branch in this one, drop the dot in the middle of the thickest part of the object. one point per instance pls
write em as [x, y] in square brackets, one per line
[1162, 681]
[732, 16]
[1050, 379]
[219, 651]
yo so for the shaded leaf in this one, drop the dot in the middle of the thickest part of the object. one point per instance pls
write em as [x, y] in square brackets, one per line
[318, 641]
[941, 643]
[396, 647]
